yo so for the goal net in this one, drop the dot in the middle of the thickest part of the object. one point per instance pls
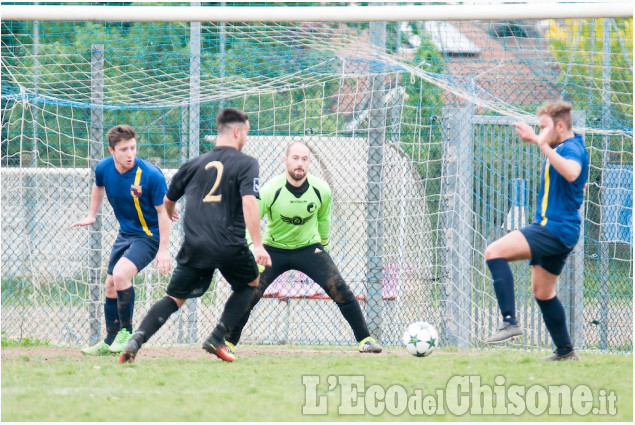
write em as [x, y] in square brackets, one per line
[409, 123]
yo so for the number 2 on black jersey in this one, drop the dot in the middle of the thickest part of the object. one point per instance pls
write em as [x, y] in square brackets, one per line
[219, 175]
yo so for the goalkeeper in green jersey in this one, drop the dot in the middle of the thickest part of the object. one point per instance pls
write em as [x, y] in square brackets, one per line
[298, 206]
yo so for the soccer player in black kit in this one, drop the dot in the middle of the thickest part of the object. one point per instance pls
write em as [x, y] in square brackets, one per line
[221, 187]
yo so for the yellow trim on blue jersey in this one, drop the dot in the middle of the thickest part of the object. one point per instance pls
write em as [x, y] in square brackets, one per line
[137, 180]
[545, 196]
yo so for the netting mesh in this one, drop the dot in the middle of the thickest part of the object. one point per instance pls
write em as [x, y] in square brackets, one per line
[413, 135]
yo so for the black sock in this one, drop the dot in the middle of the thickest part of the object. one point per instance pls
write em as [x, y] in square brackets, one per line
[504, 288]
[235, 308]
[125, 306]
[556, 322]
[352, 312]
[111, 314]
[156, 317]
[233, 334]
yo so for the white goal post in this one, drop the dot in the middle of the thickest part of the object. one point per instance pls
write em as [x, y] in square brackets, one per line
[316, 13]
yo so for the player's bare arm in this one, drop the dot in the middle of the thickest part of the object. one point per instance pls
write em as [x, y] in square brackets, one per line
[171, 209]
[252, 221]
[162, 259]
[552, 133]
[96, 198]
[567, 168]
[526, 132]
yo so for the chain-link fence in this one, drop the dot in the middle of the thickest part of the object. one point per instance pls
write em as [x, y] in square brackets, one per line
[424, 166]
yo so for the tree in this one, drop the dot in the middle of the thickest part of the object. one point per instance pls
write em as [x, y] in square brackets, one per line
[578, 47]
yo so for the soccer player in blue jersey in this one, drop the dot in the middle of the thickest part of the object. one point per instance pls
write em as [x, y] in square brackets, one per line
[548, 241]
[135, 190]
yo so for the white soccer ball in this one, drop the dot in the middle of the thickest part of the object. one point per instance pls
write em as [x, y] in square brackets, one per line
[420, 339]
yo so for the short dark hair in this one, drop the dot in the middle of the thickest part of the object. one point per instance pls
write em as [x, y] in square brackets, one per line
[230, 116]
[119, 133]
[558, 111]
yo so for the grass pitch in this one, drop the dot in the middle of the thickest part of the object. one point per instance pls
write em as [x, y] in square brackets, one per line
[266, 384]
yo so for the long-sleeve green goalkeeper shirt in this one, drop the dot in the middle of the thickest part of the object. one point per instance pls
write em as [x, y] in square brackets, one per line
[298, 216]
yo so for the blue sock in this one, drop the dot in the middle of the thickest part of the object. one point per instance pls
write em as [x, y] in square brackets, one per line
[556, 322]
[112, 319]
[504, 288]
[125, 306]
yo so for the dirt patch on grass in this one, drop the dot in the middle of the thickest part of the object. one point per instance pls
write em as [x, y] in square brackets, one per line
[189, 352]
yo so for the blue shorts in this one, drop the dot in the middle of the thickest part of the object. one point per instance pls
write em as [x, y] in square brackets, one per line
[141, 250]
[547, 251]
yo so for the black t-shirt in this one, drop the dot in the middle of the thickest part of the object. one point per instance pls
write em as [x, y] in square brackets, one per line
[213, 184]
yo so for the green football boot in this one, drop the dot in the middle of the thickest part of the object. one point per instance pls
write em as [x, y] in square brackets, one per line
[123, 336]
[99, 349]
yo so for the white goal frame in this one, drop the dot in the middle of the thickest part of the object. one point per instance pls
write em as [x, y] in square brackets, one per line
[457, 236]
[317, 13]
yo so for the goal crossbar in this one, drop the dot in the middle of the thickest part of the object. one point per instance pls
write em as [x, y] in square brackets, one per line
[315, 13]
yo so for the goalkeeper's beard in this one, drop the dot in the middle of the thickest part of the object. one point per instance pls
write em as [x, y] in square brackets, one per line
[298, 174]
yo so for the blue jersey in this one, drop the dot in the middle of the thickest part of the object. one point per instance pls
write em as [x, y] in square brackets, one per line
[558, 200]
[133, 195]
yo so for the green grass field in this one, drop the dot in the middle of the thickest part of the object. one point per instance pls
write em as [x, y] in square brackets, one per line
[266, 384]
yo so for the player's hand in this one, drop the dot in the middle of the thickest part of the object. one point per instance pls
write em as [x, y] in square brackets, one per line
[85, 222]
[162, 261]
[526, 132]
[262, 256]
[545, 131]
[175, 214]
[172, 209]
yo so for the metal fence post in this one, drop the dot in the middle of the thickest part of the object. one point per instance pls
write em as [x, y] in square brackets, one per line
[575, 276]
[604, 245]
[376, 139]
[96, 147]
[457, 195]
[194, 151]
[31, 180]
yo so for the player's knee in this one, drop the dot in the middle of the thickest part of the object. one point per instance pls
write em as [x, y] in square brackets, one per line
[111, 293]
[254, 283]
[543, 294]
[178, 301]
[256, 294]
[110, 285]
[491, 252]
[342, 294]
[120, 280]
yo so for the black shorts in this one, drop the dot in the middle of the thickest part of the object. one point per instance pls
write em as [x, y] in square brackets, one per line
[139, 249]
[547, 251]
[192, 282]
